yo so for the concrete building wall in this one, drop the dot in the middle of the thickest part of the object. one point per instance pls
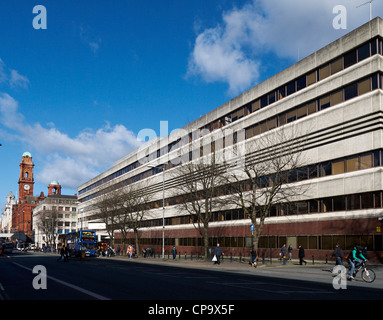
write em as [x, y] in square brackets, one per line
[351, 127]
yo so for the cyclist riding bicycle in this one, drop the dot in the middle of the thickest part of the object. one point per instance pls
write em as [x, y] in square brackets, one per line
[355, 258]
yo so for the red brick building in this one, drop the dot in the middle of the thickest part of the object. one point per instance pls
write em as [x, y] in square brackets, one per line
[22, 210]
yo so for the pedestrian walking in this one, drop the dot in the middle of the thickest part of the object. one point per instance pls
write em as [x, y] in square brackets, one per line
[290, 251]
[338, 254]
[174, 252]
[254, 258]
[130, 251]
[284, 253]
[217, 254]
[62, 252]
[118, 250]
[301, 255]
[66, 254]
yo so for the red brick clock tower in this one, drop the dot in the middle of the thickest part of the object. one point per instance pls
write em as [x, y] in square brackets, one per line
[22, 211]
[26, 177]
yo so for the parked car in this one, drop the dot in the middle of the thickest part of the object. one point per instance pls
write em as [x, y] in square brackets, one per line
[8, 247]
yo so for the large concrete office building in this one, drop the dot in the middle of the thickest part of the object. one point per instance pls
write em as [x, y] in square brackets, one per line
[333, 100]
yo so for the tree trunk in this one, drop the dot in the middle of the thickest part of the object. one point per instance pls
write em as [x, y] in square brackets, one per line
[205, 241]
[137, 243]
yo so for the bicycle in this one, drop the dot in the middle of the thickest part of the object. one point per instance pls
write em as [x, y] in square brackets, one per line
[367, 274]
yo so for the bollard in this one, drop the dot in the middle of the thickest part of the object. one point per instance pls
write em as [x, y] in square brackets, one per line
[313, 259]
[240, 257]
[326, 258]
[231, 257]
[263, 257]
[185, 255]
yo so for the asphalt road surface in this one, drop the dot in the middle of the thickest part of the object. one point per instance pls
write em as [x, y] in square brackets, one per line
[22, 278]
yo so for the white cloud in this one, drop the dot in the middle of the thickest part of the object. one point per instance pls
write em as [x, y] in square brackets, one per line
[219, 54]
[88, 36]
[18, 80]
[12, 77]
[71, 160]
[68, 171]
[232, 51]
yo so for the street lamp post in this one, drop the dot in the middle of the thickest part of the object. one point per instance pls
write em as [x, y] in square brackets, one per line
[163, 209]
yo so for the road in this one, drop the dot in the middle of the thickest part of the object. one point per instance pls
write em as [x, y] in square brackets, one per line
[137, 280]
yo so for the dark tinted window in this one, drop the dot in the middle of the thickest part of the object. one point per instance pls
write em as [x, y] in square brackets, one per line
[351, 91]
[374, 82]
[290, 87]
[373, 47]
[301, 83]
[325, 168]
[364, 52]
[263, 101]
[272, 97]
[350, 58]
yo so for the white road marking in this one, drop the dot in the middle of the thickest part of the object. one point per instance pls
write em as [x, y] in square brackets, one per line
[89, 293]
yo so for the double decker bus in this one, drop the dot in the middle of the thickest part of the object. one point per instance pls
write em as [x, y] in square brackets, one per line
[82, 242]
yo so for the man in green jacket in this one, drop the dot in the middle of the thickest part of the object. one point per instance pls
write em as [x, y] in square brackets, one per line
[355, 259]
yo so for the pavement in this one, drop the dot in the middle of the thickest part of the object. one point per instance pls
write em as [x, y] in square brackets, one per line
[319, 271]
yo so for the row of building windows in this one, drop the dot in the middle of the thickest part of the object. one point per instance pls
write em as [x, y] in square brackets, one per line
[331, 99]
[348, 92]
[351, 163]
[66, 216]
[373, 242]
[60, 208]
[66, 224]
[66, 231]
[338, 64]
[60, 201]
[366, 200]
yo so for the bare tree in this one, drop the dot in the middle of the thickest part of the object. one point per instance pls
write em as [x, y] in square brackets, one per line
[266, 178]
[198, 192]
[106, 209]
[47, 224]
[132, 207]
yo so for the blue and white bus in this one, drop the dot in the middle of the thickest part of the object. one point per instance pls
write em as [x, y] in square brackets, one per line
[82, 242]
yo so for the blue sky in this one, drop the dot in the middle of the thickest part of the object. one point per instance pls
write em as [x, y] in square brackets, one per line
[76, 94]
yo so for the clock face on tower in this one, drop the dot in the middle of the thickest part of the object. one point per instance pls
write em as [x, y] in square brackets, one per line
[26, 187]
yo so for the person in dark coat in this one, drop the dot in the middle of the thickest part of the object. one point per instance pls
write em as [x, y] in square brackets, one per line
[62, 252]
[338, 254]
[218, 252]
[174, 252]
[254, 258]
[66, 254]
[284, 253]
[301, 255]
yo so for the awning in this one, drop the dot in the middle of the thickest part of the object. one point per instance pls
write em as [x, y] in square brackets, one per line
[21, 236]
